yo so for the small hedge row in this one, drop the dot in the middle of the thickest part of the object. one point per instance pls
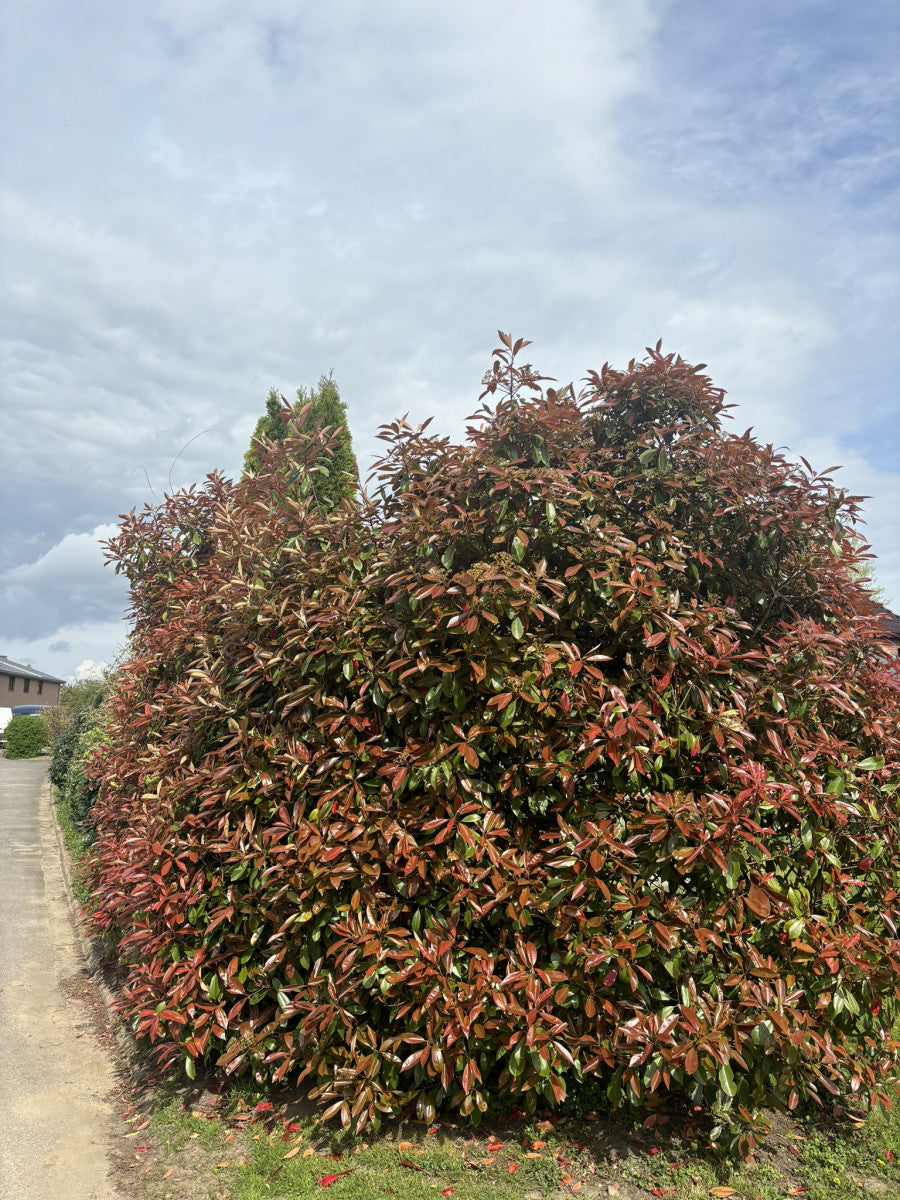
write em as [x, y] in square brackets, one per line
[70, 753]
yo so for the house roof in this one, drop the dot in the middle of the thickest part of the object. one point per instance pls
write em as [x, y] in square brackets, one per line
[8, 667]
[890, 622]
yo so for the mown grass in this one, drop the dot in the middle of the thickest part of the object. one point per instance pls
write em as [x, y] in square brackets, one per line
[268, 1154]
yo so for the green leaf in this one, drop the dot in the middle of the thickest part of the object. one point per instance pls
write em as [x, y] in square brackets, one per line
[733, 870]
[726, 1080]
[836, 784]
[762, 1033]
[875, 763]
[516, 627]
[516, 1062]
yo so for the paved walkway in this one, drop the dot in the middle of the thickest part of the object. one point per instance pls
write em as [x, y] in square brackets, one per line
[56, 1115]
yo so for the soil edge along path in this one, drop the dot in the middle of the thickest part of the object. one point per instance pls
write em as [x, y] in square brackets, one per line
[56, 1081]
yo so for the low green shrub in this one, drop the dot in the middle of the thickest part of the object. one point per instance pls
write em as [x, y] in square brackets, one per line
[65, 745]
[56, 721]
[69, 766]
[26, 737]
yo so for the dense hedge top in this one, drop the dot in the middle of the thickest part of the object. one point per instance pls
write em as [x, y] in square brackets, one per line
[567, 754]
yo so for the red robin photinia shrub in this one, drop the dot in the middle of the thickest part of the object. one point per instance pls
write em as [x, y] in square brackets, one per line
[568, 755]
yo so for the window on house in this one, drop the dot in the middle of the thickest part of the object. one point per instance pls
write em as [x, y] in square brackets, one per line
[12, 682]
[26, 683]
[40, 684]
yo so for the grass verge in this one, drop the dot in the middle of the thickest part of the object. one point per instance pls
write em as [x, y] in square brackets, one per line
[200, 1146]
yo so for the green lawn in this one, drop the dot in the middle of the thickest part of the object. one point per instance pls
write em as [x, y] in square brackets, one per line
[191, 1152]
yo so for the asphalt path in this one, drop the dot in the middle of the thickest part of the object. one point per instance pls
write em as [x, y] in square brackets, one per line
[56, 1080]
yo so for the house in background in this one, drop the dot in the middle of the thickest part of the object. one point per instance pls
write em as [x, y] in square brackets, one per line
[890, 637]
[21, 684]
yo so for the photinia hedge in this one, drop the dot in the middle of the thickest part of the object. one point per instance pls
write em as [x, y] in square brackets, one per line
[567, 754]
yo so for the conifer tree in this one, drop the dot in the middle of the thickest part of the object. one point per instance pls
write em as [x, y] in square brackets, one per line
[334, 474]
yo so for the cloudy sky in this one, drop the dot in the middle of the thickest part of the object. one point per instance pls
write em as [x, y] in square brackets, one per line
[201, 199]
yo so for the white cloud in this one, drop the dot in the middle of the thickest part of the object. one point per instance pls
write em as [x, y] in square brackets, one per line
[39, 598]
[88, 669]
[71, 649]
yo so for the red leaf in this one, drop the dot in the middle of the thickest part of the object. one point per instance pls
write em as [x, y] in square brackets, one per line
[757, 901]
[328, 1180]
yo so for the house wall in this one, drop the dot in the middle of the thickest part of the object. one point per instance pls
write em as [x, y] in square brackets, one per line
[39, 691]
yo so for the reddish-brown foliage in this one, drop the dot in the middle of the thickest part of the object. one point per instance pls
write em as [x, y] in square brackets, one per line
[569, 754]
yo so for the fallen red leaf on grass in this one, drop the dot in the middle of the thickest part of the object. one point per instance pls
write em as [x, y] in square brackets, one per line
[493, 1146]
[404, 1162]
[328, 1180]
[447, 1192]
[512, 1167]
[264, 1106]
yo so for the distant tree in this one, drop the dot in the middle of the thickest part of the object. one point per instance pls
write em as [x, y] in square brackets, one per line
[334, 473]
[85, 692]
